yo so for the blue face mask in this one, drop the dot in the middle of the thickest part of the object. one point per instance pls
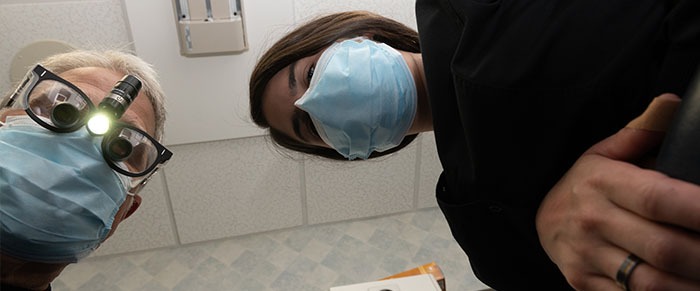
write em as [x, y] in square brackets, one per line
[362, 97]
[58, 197]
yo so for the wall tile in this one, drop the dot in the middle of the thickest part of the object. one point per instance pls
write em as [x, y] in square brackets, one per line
[149, 227]
[91, 24]
[338, 190]
[400, 10]
[233, 187]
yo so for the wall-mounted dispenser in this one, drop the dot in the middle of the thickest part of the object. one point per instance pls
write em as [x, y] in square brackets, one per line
[210, 27]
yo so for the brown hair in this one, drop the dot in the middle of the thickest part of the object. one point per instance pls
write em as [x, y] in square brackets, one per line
[310, 38]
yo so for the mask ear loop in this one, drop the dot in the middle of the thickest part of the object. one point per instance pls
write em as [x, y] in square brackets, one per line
[128, 184]
[3, 119]
[132, 189]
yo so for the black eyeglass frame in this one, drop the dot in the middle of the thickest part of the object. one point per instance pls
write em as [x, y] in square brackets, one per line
[38, 74]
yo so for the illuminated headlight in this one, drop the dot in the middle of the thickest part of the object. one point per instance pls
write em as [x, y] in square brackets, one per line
[98, 124]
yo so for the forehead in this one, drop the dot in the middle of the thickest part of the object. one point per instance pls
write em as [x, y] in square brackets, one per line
[96, 83]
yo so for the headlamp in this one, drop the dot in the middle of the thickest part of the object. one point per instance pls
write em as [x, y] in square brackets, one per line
[114, 105]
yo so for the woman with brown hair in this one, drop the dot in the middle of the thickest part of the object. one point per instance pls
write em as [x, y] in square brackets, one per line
[291, 59]
[527, 99]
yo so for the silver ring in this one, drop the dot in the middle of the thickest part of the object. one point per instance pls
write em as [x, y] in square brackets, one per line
[625, 270]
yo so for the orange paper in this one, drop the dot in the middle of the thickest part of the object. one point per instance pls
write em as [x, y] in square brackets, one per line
[429, 268]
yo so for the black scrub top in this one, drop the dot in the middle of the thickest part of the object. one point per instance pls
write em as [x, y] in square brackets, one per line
[519, 89]
[4, 287]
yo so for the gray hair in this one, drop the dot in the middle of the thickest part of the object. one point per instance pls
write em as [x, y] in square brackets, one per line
[121, 62]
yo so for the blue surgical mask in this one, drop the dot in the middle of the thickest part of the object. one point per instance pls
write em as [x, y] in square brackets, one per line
[58, 197]
[362, 97]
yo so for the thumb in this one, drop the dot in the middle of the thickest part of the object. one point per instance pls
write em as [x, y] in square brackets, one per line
[643, 134]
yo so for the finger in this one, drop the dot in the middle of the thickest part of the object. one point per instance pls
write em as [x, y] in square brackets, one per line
[628, 144]
[667, 248]
[657, 197]
[648, 280]
[603, 262]
[658, 115]
[599, 283]
[652, 195]
[642, 134]
[643, 277]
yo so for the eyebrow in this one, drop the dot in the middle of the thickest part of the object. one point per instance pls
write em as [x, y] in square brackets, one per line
[130, 120]
[297, 115]
[292, 79]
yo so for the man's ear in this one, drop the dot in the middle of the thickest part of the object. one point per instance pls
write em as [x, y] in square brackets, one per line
[124, 213]
[5, 112]
[134, 205]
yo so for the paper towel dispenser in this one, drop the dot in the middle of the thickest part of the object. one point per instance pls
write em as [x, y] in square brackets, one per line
[210, 27]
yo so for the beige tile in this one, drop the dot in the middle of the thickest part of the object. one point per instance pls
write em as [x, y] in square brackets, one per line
[232, 187]
[338, 191]
[172, 274]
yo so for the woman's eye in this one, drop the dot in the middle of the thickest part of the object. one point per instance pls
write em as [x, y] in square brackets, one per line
[310, 74]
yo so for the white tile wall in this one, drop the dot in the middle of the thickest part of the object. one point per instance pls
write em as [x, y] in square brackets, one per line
[400, 10]
[233, 187]
[228, 188]
[89, 24]
[346, 190]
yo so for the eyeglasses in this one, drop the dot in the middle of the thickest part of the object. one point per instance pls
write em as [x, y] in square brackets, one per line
[60, 106]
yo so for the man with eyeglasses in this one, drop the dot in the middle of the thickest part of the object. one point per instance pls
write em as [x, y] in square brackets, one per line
[63, 189]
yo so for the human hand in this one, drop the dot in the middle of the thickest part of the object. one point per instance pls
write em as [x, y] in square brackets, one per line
[606, 208]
